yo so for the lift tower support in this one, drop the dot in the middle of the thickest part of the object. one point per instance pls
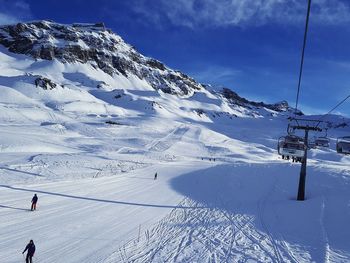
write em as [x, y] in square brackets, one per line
[302, 178]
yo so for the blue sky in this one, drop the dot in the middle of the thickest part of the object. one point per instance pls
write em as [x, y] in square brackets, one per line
[250, 46]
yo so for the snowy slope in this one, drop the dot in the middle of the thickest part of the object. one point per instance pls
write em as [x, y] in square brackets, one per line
[88, 140]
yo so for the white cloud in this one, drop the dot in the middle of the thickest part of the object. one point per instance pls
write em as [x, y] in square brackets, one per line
[216, 75]
[14, 11]
[7, 19]
[218, 13]
[306, 109]
[219, 72]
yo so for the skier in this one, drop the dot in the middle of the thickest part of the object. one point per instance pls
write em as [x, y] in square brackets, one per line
[34, 201]
[155, 176]
[31, 249]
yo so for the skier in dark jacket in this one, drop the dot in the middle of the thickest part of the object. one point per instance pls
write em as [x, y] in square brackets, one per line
[31, 249]
[34, 200]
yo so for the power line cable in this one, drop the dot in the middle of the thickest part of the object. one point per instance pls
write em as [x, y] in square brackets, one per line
[302, 54]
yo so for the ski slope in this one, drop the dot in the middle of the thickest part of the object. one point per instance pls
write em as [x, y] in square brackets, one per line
[106, 207]
[86, 220]
[222, 193]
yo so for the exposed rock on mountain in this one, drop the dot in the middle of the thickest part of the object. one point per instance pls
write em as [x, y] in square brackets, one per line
[234, 98]
[99, 47]
[94, 44]
[45, 83]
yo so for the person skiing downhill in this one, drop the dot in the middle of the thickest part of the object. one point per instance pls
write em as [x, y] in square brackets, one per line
[34, 201]
[31, 250]
[155, 176]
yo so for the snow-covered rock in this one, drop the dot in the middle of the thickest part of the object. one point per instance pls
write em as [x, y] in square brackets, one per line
[95, 45]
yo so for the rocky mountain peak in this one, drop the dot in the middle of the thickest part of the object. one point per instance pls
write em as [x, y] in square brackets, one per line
[94, 44]
[98, 46]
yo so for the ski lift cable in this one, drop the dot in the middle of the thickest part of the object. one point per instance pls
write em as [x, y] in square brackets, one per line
[302, 54]
[340, 103]
[301, 68]
[335, 107]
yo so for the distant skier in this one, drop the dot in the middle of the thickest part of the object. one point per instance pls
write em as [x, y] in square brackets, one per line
[31, 249]
[155, 176]
[34, 201]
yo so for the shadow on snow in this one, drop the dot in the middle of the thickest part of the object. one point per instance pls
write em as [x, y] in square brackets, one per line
[15, 208]
[19, 171]
[267, 193]
[96, 199]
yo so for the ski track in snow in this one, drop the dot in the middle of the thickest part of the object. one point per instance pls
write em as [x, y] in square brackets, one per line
[261, 207]
[324, 233]
[210, 234]
[200, 235]
[163, 144]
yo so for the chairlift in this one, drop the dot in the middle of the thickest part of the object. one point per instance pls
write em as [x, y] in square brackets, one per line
[312, 144]
[343, 145]
[322, 142]
[291, 146]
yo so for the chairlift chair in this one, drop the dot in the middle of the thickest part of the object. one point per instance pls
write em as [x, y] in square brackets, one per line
[343, 145]
[322, 142]
[291, 146]
[312, 144]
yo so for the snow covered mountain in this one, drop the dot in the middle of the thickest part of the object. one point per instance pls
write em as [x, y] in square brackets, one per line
[86, 121]
[94, 45]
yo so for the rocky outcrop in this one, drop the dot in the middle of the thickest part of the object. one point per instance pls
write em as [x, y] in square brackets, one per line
[234, 98]
[93, 43]
[45, 83]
